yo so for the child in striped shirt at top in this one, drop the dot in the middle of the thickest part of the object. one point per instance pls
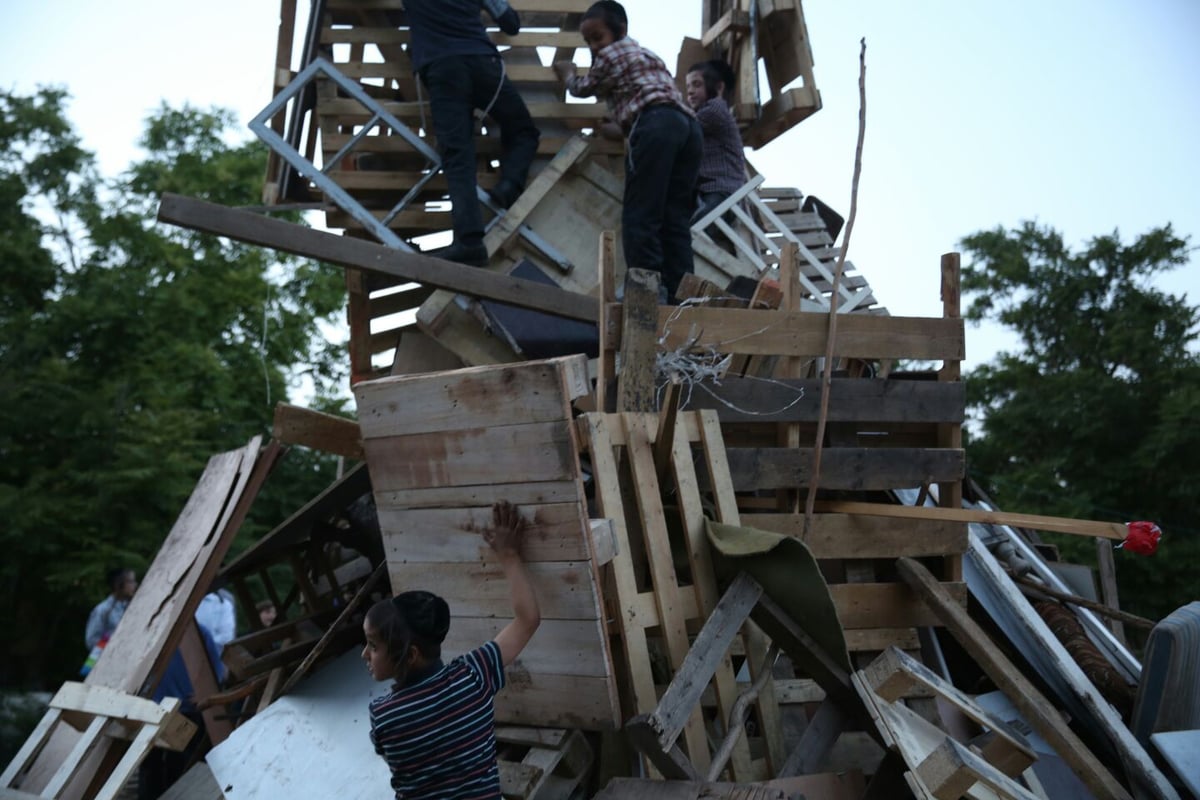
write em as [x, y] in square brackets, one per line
[436, 727]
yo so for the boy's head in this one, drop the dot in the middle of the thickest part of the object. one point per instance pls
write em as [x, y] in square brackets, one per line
[602, 24]
[403, 632]
[707, 80]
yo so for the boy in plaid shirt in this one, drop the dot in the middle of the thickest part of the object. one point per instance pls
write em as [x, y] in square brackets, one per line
[663, 147]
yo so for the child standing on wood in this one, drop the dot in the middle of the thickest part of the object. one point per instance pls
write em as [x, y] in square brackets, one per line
[436, 727]
[723, 163]
[663, 141]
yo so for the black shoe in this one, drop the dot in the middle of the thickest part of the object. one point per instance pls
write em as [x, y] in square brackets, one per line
[472, 255]
[505, 193]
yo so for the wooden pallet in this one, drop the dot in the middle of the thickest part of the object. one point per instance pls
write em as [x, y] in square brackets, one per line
[100, 714]
[542, 763]
[442, 448]
[661, 582]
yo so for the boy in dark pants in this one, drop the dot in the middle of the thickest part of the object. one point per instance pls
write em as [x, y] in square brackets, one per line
[664, 141]
[462, 71]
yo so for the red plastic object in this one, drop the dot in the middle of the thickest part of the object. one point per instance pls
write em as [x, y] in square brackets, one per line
[1142, 539]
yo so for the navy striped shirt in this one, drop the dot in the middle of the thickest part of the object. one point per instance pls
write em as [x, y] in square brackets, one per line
[439, 736]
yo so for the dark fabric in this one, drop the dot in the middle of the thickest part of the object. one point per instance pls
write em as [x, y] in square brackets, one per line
[660, 181]
[541, 335]
[450, 28]
[723, 164]
[458, 86]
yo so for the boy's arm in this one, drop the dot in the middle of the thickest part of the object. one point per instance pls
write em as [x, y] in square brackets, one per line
[505, 537]
[504, 14]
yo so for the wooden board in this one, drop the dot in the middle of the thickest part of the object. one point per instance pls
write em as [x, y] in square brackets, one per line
[441, 448]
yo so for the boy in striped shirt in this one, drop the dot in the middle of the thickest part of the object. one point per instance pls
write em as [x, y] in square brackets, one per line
[436, 727]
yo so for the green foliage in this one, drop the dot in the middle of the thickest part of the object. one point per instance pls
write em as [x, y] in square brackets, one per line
[130, 352]
[1094, 416]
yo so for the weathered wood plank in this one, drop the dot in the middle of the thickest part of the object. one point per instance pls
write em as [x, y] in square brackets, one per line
[531, 493]
[636, 379]
[887, 605]
[413, 536]
[1079, 527]
[474, 397]
[345, 251]
[536, 452]
[317, 430]
[844, 468]
[560, 646]
[855, 536]
[564, 588]
[803, 333]
[850, 400]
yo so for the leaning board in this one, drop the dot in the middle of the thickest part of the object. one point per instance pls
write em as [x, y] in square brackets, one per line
[441, 448]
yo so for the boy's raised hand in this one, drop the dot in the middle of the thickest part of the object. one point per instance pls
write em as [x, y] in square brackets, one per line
[507, 530]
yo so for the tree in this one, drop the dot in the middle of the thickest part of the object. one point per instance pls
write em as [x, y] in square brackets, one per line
[1094, 416]
[129, 353]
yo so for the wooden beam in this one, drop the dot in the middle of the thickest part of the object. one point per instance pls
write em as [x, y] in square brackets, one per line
[320, 431]
[635, 383]
[1034, 707]
[857, 468]
[1079, 527]
[288, 237]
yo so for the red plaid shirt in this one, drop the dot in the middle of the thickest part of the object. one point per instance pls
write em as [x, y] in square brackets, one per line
[630, 78]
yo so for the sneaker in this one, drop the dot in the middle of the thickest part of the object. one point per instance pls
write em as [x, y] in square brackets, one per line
[505, 193]
[472, 255]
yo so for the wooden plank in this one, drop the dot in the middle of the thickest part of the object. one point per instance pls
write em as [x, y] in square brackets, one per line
[850, 400]
[803, 333]
[440, 535]
[608, 501]
[951, 770]
[1109, 530]
[581, 701]
[606, 369]
[687, 490]
[530, 493]
[537, 452]
[560, 646]
[847, 468]
[637, 378]
[817, 741]
[510, 222]
[244, 226]
[474, 397]
[853, 536]
[1034, 707]
[317, 430]
[703, 659]
[887, 605]
[563, 588]
[672, 625]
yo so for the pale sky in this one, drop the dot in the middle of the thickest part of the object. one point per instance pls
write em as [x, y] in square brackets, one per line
[1082, 114]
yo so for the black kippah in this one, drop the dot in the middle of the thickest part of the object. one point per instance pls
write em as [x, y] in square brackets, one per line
[427, 615]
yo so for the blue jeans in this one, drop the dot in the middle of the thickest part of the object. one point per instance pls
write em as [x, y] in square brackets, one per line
[457, 86]
[662, 161]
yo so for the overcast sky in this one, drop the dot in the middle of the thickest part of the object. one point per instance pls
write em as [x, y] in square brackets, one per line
[1082, 114]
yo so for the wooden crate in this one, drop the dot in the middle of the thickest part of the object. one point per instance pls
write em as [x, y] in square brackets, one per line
[442, 448]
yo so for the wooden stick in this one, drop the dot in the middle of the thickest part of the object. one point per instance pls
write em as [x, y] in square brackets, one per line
[1078, 527]
[827, 373]
[1083, 602]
